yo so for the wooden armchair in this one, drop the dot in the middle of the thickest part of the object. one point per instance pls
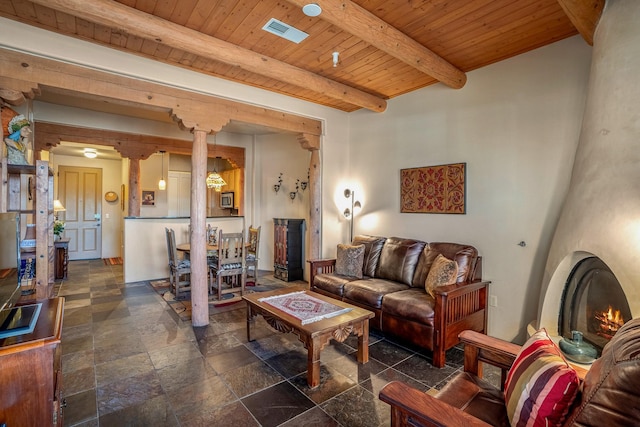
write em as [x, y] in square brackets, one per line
[609, 393]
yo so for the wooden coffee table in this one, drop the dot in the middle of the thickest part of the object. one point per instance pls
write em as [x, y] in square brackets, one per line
[315, 336]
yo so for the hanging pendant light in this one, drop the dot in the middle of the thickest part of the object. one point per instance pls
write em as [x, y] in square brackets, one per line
[162, 184]
[214, 180]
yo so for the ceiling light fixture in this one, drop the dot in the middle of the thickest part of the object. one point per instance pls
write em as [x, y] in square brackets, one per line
[214, 180]
[311, 9]
[90, 153]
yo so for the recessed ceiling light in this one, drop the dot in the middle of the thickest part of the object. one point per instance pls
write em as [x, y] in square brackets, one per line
[311, 9]
[90, 153]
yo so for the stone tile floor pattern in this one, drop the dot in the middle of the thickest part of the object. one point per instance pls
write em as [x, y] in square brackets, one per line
[128, 360]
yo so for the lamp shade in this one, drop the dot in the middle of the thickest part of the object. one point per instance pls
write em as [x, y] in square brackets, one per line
[57, 206]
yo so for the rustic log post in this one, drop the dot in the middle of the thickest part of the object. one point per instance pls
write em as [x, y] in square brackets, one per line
[312, 143]
[135, 190]
[198, 256]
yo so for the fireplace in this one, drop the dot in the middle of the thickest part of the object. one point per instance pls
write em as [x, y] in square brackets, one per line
[593, 302]
[598, 228]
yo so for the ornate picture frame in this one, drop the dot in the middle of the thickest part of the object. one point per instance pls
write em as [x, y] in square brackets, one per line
[434, 189]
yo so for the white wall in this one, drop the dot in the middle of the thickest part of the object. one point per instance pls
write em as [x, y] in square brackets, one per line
[278, 154]
[516, 125]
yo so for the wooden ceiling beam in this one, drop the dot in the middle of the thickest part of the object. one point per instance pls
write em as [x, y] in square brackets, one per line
[584, 15]
[365, 25]
[132, 146]
[19, 70]
[115, 15]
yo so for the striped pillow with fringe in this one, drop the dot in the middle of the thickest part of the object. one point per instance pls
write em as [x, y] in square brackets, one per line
[541, 385]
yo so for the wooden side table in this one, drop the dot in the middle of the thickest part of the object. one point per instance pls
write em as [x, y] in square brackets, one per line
[61, 258]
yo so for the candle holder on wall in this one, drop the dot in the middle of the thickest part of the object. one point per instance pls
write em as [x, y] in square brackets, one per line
[277, 186]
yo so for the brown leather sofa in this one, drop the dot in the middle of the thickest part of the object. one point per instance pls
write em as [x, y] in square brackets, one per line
[609, 394]
[393, 288]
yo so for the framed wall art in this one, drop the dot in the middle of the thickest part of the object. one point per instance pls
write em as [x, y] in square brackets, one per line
[434, 189]
[148, 198]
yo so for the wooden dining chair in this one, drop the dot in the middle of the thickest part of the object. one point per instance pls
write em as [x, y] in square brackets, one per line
[179, 269]
[252, 255]
[227, 271]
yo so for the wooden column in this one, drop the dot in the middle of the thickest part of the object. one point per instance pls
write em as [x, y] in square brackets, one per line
[135, 191]
[198, 256]
[312, 143]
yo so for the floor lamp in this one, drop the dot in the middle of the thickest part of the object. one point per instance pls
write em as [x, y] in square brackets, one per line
[348, 213]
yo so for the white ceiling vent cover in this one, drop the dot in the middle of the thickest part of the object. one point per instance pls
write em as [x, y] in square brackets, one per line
[285, 31]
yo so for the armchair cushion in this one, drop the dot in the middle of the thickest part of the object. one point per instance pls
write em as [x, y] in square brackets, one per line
[540, 385]
[349, 260]
[443, 272]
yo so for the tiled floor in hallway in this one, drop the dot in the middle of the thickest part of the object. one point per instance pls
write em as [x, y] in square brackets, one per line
[129, 361]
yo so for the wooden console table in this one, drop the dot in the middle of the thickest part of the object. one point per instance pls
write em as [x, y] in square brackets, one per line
[31, 374]
[61, 258]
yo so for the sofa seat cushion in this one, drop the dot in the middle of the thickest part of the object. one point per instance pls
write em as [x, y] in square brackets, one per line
[332, 283]
[476, 397]
[371, 291]
[412, 304]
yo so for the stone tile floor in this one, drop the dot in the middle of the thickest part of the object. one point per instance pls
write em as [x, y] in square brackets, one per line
[128, 360]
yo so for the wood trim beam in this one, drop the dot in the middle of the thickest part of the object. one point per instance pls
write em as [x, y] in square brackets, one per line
[584, 15]
[140, 24]
[363, 24]
[23, 69]
[132, 146]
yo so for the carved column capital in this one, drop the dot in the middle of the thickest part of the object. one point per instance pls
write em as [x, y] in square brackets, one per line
[308, 141]
[209, 122]
[15, 92]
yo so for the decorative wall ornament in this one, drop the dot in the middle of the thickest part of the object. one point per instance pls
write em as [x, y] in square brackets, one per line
[433, 189]
[277, 186]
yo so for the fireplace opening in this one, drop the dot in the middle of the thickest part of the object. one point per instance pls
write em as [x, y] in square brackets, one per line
[593, 302]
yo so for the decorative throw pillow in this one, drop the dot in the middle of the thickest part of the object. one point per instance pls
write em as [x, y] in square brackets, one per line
[443, 272]
[541, 385]
[349, 260]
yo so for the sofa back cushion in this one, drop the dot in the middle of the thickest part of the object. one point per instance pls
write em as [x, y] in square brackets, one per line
[398, 259]
[464, 255]
[372, 249]
[610, 392]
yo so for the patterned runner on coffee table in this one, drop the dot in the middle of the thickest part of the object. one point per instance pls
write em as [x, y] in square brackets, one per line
[304, 307]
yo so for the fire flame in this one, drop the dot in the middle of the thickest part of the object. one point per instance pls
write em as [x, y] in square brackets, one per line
[610, 321]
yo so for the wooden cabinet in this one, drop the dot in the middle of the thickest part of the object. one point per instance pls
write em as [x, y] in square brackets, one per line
[28, 190]
[288, 249]
[61, 258]
[31, 373]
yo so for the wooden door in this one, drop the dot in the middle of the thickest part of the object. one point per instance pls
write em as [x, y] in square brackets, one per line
[80, 190]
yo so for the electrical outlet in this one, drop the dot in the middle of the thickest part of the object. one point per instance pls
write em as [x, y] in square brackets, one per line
[493, 301]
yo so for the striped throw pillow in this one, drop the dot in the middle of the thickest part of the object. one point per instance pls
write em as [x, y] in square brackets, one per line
[541, 385]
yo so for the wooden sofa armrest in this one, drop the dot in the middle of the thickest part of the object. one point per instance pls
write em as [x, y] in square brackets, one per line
[411, 407]
[480, 348]
[458, 307]
[320, 266]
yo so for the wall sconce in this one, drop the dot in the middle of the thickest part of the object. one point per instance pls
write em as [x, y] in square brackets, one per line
[303, 184]
[349, 213]
[293, 195]
[162, 184]
[277, 186]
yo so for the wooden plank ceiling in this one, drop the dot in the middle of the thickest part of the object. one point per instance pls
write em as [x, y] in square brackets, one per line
[466, 34]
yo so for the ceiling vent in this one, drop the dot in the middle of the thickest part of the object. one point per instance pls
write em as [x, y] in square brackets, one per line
[285, 31]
